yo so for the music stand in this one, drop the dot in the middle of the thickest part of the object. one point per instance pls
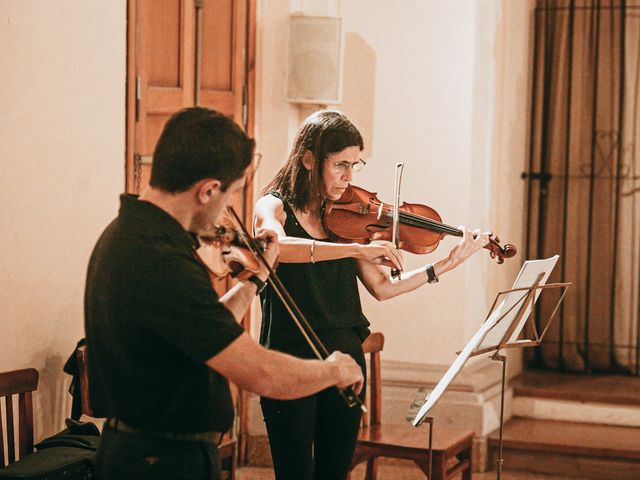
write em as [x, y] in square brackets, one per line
[501, 329]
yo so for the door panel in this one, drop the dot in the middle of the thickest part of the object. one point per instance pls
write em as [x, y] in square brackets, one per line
[163, 21]
[217, 44]
[223, 43]
[164, 72]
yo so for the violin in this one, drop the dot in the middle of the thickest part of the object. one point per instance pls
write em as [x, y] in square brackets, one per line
[226, 251]
[360, 217]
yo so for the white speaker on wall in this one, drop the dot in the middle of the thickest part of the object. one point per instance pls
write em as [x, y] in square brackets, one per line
[314, 60]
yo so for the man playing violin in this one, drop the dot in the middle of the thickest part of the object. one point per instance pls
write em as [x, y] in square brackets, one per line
[161, 344]
[314, 437]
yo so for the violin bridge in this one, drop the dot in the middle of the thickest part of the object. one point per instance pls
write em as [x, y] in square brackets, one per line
[380, 210]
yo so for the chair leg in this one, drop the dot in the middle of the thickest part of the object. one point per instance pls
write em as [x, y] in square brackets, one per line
[467, 454]
[439, 470]
[372, 469]
[232, 469]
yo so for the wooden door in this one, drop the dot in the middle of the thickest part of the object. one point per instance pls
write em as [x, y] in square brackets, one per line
[183, 53]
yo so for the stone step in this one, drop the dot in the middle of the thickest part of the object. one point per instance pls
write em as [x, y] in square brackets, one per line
[603, 399]
[575, 411]
[612, 390]
[569, 449]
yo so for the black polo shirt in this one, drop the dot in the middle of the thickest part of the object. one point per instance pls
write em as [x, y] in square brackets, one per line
[152, 319]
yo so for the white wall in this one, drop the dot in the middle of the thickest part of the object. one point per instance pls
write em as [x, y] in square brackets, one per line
[431, 99]
[62, 144]
[423, 104]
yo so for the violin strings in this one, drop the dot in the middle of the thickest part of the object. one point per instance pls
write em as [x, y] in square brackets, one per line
[420, 221]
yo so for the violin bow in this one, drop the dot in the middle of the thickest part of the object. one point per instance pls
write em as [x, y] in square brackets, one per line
[316, 345]
[395, 273]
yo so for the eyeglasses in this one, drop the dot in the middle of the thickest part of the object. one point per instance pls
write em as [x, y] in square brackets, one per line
[342, 167]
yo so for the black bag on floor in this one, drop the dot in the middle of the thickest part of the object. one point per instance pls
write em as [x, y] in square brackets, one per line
[68, 455]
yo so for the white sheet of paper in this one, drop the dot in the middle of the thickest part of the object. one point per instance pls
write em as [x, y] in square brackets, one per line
[513, 301]
[454, 369]
[489, 332]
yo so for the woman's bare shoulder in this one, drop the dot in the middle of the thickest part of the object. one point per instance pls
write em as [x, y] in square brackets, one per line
[270, 206]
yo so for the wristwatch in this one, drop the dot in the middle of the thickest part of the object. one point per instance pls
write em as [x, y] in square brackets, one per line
[431, 274]
[258, 283]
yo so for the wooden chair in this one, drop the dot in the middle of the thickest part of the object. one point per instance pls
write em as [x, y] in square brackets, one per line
[226, 449]
[451, 448]
[20, 383]
[83, 367]
[227, 452]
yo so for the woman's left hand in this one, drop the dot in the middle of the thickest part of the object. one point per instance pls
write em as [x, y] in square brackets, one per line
[471, 242]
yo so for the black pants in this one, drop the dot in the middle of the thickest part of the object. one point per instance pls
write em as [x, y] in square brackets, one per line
[123, 456]
[313, 438]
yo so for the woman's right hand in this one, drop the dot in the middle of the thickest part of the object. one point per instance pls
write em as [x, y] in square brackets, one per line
[381, 252]
[271, 252]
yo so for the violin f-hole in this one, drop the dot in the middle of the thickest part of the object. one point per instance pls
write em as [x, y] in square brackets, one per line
[375, 228]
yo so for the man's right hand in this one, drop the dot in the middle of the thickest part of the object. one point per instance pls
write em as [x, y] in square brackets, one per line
[349, 373]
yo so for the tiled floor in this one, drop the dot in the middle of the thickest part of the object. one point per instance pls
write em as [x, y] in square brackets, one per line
[393, 472]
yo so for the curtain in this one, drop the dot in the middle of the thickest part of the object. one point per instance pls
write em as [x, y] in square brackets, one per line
[584, 181]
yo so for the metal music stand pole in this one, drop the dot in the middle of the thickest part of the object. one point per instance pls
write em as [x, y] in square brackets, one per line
[429, 420]
[500, 460]
[525, 308]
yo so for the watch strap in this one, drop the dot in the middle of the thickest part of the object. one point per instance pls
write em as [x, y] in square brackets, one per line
[257, 281]
[431, 274]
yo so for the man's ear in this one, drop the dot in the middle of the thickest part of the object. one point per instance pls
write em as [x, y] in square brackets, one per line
[207, 189]
[308, 160]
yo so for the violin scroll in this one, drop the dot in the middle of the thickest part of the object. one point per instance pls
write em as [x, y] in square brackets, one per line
[500, 252]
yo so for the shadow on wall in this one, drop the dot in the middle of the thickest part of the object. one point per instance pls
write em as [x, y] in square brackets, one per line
[359, 86]
[52, 401]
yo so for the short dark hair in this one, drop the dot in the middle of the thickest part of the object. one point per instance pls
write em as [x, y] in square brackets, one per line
[198, 143]
[322, 133]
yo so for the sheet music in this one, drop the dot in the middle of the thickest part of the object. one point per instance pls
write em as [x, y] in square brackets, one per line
[492, 331]
[512, 301]
[454, 369]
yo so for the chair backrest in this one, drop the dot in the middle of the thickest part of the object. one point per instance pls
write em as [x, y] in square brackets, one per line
[20, 383]
[372, 346]
[83, 368]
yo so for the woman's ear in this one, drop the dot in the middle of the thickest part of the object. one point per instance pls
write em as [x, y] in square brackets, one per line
[308, 160]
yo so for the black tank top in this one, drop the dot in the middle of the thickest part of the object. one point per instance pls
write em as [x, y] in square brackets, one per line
[326, 292]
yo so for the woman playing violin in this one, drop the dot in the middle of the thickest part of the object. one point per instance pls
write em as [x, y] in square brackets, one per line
[314, 437]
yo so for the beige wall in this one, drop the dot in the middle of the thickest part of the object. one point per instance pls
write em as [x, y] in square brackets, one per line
[62, 131]
[444, 90]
